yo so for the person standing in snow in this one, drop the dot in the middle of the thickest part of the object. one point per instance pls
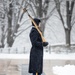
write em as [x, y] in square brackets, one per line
[36, 53]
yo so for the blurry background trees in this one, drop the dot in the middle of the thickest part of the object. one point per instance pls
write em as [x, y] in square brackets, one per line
[69, 5]
[9, 16]
[11, 10]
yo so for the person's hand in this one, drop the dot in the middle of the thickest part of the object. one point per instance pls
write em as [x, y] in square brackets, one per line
[45, 43]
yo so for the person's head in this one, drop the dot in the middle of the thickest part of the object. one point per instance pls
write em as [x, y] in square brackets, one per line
[37, 21]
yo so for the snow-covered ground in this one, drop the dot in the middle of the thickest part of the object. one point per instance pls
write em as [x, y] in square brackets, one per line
[68, 69]
[64, 70]
[52, 56]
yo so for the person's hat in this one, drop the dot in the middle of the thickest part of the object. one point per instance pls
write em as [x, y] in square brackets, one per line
[37, 21]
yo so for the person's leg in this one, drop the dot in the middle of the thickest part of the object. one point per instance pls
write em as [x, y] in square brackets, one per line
[39, 73]
[34, 73]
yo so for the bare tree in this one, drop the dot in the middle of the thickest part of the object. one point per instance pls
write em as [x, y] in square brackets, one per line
[9, 17]
[39, 9]
[2, 25]
[69, 13]
[9, 34]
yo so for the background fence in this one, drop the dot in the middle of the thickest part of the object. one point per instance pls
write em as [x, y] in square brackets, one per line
[53, 48]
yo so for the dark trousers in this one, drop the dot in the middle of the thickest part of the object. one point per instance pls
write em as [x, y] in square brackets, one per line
[35, 74]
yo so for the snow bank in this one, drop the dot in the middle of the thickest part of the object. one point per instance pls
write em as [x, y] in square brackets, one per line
[64, 70]
[48, 56]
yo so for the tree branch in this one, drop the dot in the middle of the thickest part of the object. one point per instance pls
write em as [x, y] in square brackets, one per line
[58, 9]
[23, 31]
[72, 24]
[32, 8]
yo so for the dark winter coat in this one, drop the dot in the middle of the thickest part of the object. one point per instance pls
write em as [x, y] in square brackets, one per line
[36, 53]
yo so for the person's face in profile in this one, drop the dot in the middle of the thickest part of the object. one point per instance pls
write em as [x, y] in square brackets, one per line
[39, 25]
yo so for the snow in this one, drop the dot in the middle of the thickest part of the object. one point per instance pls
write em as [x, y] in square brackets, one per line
[64, 70]
[52, 56]
[54, 34]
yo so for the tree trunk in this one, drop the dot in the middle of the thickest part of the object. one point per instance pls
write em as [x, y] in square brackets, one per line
[69, 18]
[2, 25]
[43, 26]
[40, 15]
[1, 35]
[39, 9]
[68, 37]
[9, 35]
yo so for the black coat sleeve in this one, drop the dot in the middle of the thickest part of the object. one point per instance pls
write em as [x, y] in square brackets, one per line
[34, 39]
